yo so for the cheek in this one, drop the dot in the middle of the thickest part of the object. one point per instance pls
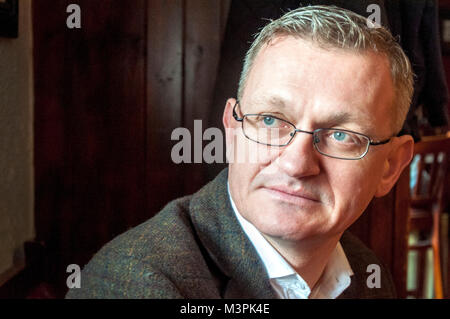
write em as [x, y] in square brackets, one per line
[245, 152]
[241, 150]
[246, 159]
[353, 187]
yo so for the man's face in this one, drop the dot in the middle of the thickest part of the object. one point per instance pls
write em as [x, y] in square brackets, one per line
[293, 192]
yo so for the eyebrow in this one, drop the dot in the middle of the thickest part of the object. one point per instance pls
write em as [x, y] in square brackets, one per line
[340, 118]
[336, 118]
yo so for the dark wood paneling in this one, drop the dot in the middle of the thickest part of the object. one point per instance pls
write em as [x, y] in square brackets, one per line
[382, 214]
[202, 42]
[164, 91]
[89, 126]
[108, 97]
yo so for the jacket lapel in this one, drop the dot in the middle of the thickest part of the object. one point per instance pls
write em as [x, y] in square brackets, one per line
[226, 243]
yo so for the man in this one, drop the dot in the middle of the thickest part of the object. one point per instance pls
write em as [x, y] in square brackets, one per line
[322, 96]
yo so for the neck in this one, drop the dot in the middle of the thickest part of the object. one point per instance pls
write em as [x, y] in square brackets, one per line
[308, 257]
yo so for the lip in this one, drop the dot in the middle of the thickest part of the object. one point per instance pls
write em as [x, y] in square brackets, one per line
[296, 197]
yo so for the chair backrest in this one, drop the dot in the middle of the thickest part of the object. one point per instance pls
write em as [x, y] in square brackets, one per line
[430, 162]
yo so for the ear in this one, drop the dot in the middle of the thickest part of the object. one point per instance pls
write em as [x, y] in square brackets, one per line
[228, 120]
[230, 125]
[400, 156]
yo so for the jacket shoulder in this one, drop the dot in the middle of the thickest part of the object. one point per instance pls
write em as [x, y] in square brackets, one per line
[148, 261]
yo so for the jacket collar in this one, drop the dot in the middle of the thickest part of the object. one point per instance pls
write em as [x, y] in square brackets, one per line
[226, 243]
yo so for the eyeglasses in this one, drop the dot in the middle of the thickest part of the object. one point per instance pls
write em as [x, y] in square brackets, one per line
[336, 143]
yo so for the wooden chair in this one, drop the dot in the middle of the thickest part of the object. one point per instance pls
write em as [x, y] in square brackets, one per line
[426, 204]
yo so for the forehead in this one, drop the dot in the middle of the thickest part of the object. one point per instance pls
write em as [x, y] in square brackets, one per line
[312, 83]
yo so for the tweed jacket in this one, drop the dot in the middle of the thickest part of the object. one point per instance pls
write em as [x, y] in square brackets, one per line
[195, 248]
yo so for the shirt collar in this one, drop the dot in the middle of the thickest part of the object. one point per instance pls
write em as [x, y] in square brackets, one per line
[334, 279]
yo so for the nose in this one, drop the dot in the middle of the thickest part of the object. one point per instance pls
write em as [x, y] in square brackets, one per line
[299, 158]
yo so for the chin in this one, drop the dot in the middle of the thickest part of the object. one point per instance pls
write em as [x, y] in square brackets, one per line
[290, 234]
[286, 221]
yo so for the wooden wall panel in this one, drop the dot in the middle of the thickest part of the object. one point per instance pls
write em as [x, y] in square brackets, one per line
[89, 127]
[382, 214]
[164, 91]
[108, 97]
[202, 42]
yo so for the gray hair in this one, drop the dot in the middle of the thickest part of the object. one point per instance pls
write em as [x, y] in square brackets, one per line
[333, 27]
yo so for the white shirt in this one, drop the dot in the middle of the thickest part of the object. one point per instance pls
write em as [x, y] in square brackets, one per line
[286, 282]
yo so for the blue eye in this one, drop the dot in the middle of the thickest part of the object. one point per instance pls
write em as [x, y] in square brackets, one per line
[339, 136]
[269, 120]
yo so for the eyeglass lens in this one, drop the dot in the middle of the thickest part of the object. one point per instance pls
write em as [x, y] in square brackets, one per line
[273, 131]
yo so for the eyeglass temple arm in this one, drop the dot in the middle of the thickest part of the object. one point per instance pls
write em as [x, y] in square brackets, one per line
[236, 117]
[380, 142]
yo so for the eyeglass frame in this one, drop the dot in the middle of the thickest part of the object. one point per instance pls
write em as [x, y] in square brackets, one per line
[313, 133]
